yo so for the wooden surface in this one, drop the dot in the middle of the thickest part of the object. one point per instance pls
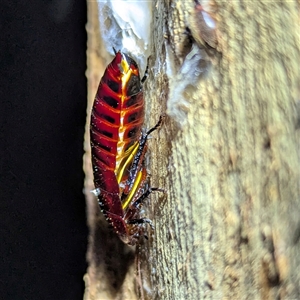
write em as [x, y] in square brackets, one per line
[228, 157]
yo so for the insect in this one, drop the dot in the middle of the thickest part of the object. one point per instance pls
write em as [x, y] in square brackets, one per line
[119, 146]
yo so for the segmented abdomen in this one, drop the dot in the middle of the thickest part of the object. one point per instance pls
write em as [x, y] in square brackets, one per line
[116, 120]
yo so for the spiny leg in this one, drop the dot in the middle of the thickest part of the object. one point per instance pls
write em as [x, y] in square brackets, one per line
[138, 159]
[135, 206]
[145, 195]
[158, 124]
[141, 221]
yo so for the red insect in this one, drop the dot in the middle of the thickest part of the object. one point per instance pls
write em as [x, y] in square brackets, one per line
[119, 146]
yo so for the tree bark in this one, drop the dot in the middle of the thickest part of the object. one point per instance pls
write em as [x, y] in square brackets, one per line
[227, 156]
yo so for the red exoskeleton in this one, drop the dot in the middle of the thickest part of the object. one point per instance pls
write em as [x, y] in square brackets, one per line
[119, 146]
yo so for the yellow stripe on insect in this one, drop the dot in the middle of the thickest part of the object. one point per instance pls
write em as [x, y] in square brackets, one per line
[133, 190]
[128, 160]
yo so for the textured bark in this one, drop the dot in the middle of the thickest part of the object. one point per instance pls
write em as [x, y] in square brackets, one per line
[228, 226]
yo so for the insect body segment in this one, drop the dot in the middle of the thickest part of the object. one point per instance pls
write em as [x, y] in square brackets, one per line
[118, 147]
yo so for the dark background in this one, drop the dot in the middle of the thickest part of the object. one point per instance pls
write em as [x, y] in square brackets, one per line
[43, 234]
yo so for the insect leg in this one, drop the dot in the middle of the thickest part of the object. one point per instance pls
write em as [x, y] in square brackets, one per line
[145, 195]
[138, 159]
[146, 71]
[159, 123]
[141, 221]
[135, 205]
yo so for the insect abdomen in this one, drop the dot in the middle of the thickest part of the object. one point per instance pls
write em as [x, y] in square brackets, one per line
[117, 115]
[119, 147]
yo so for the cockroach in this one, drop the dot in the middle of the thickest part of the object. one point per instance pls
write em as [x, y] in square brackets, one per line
[119, 146]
